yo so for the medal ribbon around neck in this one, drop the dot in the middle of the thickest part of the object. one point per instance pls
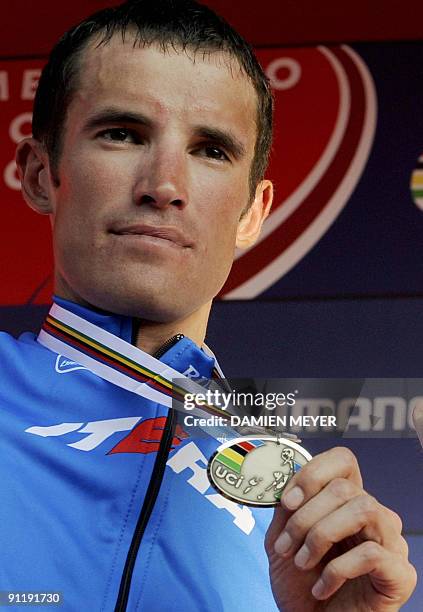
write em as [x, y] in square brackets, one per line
[119, 362]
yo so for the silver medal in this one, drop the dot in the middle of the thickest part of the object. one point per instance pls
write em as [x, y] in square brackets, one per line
[255, 470]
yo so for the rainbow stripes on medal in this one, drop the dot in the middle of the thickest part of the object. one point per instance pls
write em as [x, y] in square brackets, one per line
[233, 457]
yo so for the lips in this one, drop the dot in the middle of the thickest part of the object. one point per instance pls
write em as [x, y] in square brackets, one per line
[163, 232]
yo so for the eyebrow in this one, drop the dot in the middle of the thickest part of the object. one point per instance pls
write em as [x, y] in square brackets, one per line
[222, 137]
[108, 116]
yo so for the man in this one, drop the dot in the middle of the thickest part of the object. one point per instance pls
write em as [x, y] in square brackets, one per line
[151, 135]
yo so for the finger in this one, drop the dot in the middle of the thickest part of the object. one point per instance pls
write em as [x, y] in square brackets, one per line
[276, 526]
[338, 462]
[360, 515]
[333, 496]
[392, 577]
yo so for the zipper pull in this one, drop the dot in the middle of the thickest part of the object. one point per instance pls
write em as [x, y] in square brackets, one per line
[167, 345]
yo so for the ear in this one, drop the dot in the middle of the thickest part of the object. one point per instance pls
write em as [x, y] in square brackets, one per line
[251, 221]
[34, 173]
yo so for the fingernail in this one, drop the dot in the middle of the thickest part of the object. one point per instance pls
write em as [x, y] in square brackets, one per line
[283, 543]
[302, 556]
[318, 589]
[293, 498]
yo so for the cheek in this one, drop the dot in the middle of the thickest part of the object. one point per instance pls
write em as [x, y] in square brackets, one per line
[91, 182]
[226, 212]
[95, 177]
[221, 228]
[88, 192]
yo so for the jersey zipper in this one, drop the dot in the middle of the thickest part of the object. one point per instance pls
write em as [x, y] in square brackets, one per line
[151, 494]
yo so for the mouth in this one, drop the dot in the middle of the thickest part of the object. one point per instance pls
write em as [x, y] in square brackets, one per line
[160, 234]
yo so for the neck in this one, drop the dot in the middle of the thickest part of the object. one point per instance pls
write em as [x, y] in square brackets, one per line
[151, 335]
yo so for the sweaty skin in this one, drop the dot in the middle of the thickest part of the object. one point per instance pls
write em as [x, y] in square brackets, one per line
[148, 209]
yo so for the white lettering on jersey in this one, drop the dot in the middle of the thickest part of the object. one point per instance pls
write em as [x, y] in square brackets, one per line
[98, 431]
[188, 457]
[101, 430]
[191, 372]
[54, 430]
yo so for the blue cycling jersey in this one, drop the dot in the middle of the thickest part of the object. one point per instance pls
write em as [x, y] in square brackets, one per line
[78, 466]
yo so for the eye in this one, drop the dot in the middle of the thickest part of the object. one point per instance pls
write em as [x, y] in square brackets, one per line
[212, 152]
[215, 152]
[120, 135]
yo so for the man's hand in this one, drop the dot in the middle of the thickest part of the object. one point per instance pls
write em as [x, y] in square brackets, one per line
[332, 546]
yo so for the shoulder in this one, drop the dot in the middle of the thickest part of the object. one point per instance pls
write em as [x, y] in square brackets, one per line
[25, 342]
[16, 354]
[9, 345]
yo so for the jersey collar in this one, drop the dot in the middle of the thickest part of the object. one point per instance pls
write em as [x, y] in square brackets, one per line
[184, 356]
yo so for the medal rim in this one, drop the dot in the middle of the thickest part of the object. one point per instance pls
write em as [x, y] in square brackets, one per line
[224, 445]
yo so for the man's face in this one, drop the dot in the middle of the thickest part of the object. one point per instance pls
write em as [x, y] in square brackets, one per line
[154, 169]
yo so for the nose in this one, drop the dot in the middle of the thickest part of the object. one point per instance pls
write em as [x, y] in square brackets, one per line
[162, 179]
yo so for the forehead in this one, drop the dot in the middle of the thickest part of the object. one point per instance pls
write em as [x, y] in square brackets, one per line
[172, 82]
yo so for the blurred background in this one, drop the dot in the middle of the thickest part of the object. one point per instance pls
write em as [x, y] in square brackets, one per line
[335, 285]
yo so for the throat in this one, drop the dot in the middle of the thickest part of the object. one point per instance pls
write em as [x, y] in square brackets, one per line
[152, 336]
[154, 341]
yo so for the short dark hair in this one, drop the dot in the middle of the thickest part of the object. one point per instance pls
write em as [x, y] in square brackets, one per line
[176, 23]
